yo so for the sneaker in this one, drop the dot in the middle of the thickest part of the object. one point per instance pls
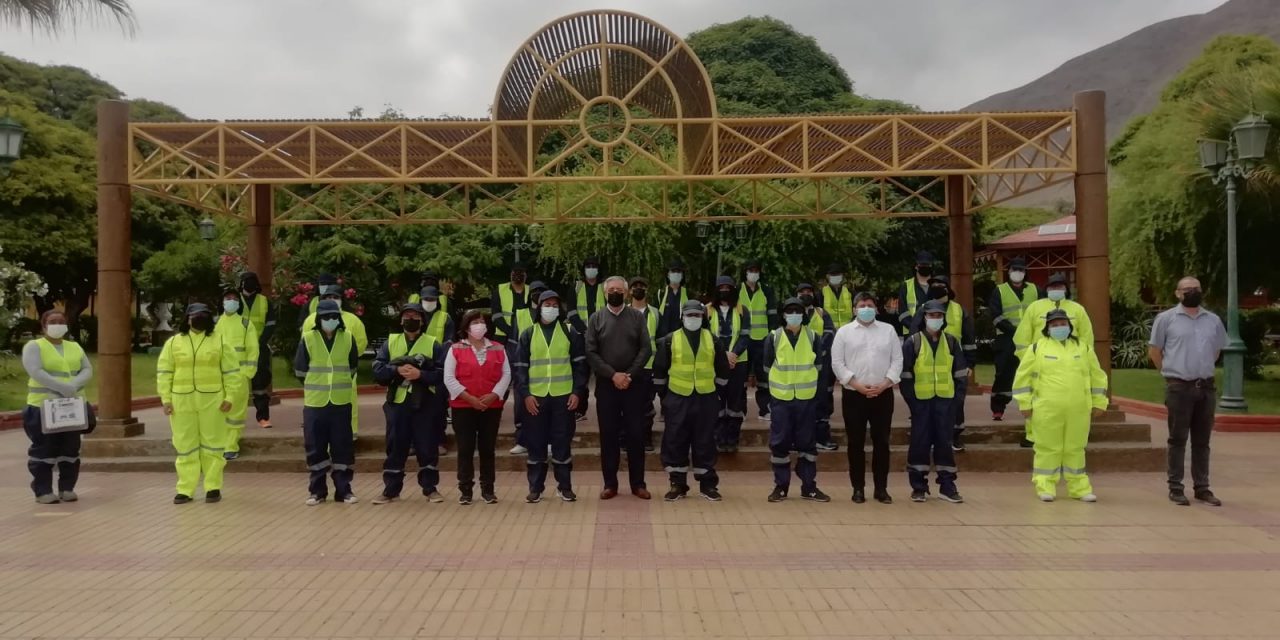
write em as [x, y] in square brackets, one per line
[778, 494]
[533, 498]
[350, 499]
[765, 417]
[518, 450]
[313, 500]
[265, 424]
[1046, 497]
[230, 455]
[919, 495]
[385, 499]
[998, 416]
[1088, 497]
[648, 447]
[52, 498]
[954, 497]
[957, 444]
[464, 499]
[1179, 498]
[1206, 496]
[442, 450]
[816, 495]
[567, 495]
[710, 493]
[433, 496]
[826, 446]
[677, 492]
[489, 496]
[68, 496]
[213, 496]
[181, 498]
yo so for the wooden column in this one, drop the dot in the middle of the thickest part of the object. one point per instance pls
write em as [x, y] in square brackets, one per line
[260, 259]
[115, 330]
[1093, 262]
[961, 227]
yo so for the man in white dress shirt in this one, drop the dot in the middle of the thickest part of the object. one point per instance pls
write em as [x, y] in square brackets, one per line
[866, 359]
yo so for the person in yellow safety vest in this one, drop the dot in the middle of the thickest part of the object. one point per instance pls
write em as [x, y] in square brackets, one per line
[551, 371]
[914, 291]
[759, 299]
[56, 368]
[731, 326]
[1057, 296]
[837, 296]
[509, 305]
[672, 298]
[411, 365]
[438, 323]
[353, 325]
[258, 311]
[819, 320]
[960, 326]
[198, 379]
[1008, 304]
[235, 329]
[589, 297]
[326, 363]
[431, 280]
[934, 376]
[688, 366]
[323, 282]
[1059, 387]
[792, 359]
[640, 301]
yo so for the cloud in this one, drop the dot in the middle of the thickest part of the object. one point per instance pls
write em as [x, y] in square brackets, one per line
[319, 58]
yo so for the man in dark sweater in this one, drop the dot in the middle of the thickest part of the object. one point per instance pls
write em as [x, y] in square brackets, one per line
[617, 350]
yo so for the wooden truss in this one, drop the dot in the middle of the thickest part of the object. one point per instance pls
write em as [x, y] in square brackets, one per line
[604, 116]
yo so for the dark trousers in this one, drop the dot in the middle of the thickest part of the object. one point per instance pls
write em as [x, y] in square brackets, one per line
[690, 426]
[326, 434]
[931, 431]
[477, 432]
[411, 427]
[1006, 367]
[518, 415]
[650, 413]
[859, 412]
[47, 451]
[791, 429]
[440, 419]
[1190, 414]
[260, 385]
[826, 405]
[755, 349]
[554, 425]
[733, 406]
[623, 415]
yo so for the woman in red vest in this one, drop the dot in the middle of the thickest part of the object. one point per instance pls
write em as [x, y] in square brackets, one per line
[477, 374]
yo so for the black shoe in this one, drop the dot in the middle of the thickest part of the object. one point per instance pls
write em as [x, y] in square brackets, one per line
[677, 492]
[957, 443]
[648, 448]
[859, 496]
[464, 498]
[1206, 496]
[230, 455]
[722, 448]
[1179, 498]
[953, 497]
[816, 495]
[997, 416]
[1026, 444]
[882, 497]
[827, 446]
[919, 495]
[181, 499]
[579, 417]
[213, 496]
[778, 494]
[567, 495]
[732, 448]
[489, 496]
[710, 493]
[533, 498]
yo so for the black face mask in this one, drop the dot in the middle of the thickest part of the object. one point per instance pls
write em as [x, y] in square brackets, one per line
[807, 299]
[517, 278]
[924, 270]
[614, 299]
[639, 294]
[726, 296]
[202, 322]
[430, 283]
[1192, 299]
[936, 293]
[411, 325]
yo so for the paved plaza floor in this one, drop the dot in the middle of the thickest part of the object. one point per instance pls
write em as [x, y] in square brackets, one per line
[125, 563]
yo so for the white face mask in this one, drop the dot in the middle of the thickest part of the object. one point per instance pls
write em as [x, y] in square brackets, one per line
[1016, 277]
[56, 331]
[835, 280]
[477, 330]
[230, 306]
[591, 272]
[329, 324]
[549, 314]
[692, 323]
[753, 277]
[1057, 295]
[934, 324]
[675, 277]
[793, 319]
[430, 305]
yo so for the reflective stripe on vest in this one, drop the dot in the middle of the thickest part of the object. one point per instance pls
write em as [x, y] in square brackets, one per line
[328, 379]
[398, 346]
[197, 363]
[63, 366]
[840, 308]
[933, 368]
[735, 329]
[912, 302]
[1012, 307]
[235, 329]
[692, 371]
[666, 299]
[955, 320]
[550, 371]
[651, 321]
[793, 375]
[758, 305]
[519, 319]
[581, 309]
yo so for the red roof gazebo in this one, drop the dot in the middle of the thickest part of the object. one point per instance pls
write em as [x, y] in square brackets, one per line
[1047, 248]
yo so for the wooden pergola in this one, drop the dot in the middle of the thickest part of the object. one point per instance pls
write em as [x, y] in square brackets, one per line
[601, 116]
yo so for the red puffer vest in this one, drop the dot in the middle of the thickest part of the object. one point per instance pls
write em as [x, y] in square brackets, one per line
[478, 379]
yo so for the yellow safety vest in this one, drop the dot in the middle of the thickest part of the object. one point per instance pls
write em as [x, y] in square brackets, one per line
[197, 363]
[758, 305]
[955, 320]
[912, 302]
[328, 379]
[818, 322]
[254, 312]
[519, 319]
[735, 328]
[1012, 307]
[550, 370]
[839, 308]
[397, 346]
[435, 328]
[239, 331]
[351, 323]
[933, 368]
[63, 366]
[793, 375]
[692, 372]
[651, 321]
[666, 299]
[581, 289]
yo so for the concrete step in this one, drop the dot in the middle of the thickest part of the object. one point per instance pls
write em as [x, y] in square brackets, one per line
[1102, 457]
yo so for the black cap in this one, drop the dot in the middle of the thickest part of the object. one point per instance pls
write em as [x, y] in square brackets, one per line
[197, 307]
[326, 278]
[538, 285]
[751, 264]
[1057, 278]
[924, 257]
[635, 280]
[429, 274]
[675, 263]
[1056, 314]
[548, 295]
[519, 266]
[230, 291]
[940, 279]
[935, 306]
[804, 285]
[792, 302]
[692, 305]
[249, 279]
[328, 308]
[415, 307]
[591, 260]
[1018, 263]
[429, 292]
[725, 281]
[835, 267]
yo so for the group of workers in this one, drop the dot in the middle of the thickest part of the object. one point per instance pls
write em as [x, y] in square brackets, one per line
[696, 359]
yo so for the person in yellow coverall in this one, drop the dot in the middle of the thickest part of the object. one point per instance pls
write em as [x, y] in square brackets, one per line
[353, 325]
[198, 377]
[235, 327]
[1059, 387]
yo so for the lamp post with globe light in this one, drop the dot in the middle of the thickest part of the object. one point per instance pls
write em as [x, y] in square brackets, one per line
[12, 134]
[703, 229]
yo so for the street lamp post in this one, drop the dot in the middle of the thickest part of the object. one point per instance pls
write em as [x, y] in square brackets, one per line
[11, 135]
[517, 244]
[703, 229]
[1230, 161]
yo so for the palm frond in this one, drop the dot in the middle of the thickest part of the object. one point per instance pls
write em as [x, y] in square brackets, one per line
[56, 16]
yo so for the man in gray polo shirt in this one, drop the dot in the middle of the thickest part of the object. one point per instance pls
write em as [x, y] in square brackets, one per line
[1185, 343]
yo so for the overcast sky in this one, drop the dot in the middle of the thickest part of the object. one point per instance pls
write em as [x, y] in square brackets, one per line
[318, 58]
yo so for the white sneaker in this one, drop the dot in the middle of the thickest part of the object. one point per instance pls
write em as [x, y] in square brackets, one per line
[1088, 497]
[314, 500]
[1046, 497]
[519, 450]
[351, 499]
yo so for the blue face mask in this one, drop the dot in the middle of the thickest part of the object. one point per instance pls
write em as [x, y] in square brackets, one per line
[793, 319]
[1057, 295]
[934, 324]
[329, 324]
[1060, 333]
[866, 314]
